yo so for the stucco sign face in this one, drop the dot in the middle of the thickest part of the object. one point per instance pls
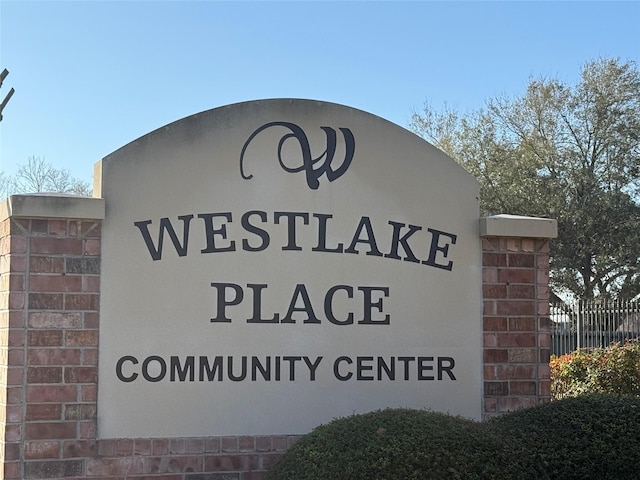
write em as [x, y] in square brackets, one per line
[271, 265]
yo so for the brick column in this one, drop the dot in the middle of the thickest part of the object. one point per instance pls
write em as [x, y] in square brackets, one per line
[50, 277]
[516, 324]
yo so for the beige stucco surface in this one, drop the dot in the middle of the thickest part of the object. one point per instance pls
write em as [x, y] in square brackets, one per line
[159, 309]
[518, 226]
[52, 206]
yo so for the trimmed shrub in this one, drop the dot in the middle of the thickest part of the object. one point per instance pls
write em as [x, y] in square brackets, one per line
[614, 369]
[393, 444]
[590, 437]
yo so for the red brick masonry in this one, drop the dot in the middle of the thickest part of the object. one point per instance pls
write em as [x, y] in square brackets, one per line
[49, 337]
[516, 324]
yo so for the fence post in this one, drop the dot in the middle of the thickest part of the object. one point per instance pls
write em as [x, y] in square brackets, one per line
[579, 326]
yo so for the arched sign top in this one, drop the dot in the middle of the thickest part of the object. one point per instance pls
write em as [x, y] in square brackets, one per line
[286, 261]
[311, 164]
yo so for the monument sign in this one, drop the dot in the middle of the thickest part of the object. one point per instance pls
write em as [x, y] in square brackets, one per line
[271, 265]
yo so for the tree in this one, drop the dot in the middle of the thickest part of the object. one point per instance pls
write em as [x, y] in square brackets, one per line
[38, 176]
[5, 185]
[570, 152]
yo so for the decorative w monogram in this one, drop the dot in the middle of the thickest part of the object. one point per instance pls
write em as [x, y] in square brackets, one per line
[314, 168]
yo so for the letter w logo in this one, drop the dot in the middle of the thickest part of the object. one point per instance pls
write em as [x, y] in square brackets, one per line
[314, 168]
[165, 226]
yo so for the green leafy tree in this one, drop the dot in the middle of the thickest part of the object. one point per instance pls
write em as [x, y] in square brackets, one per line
[570, 152]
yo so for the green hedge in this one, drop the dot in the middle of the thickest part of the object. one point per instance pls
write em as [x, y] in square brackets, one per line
[390, 444]
[614, 369]
[591, 437]
[587, 437]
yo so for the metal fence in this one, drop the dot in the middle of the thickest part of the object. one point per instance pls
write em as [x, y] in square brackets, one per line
[593, 324]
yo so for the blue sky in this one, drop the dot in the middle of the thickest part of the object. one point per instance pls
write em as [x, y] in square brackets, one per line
[91, 76]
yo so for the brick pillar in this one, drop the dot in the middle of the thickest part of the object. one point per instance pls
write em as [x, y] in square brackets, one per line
[50, 280]
[516, 324]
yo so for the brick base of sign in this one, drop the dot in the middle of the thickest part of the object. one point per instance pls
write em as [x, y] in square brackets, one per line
[208, 458]
[49, 339]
